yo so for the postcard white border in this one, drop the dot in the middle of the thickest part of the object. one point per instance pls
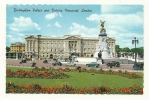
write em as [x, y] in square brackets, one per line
[68, 97]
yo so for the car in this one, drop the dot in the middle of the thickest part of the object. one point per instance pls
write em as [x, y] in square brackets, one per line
[113, 63]
[45, 61]
[22, 61]
[57, 63]
[139, 66]
[93, 64]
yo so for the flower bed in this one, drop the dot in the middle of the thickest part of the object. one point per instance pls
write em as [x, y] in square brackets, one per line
[50, 74]
[68, 89]
[126, 74]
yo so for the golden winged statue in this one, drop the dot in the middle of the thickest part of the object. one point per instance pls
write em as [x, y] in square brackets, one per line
[102, 26]
[102, 23]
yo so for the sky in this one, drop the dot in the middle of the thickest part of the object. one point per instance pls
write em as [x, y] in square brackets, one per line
[123, 22]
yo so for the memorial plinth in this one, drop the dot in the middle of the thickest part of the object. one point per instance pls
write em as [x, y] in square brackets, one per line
[103, 47]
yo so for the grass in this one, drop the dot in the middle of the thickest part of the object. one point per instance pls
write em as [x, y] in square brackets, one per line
[16, 68]
[82, 79]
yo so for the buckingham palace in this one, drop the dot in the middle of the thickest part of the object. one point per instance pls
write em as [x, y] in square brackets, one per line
[41, 47]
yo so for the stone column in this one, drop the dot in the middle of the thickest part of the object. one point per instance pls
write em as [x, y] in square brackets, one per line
[26, 43]
[77, 46]
[36, 50]
[64, 46]
[67, 46]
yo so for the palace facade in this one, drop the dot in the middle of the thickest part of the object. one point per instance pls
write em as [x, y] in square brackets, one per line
[17, 47]
[42, 47]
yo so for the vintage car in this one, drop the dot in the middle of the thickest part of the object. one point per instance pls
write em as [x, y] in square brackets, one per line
[57, 63]
[22, 61]
[45, 61]
[113, 64]
[139, 66]
[93, 64]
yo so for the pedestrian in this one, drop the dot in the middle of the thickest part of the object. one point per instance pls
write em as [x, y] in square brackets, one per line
[79, 68]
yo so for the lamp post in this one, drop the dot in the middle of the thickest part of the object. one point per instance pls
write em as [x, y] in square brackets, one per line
[135, 41]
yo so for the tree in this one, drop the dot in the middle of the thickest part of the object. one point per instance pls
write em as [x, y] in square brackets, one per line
[7, 49]
[117, 48]
[139, 50]
[126, 49]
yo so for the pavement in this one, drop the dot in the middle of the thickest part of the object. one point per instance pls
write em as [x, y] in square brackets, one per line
[39, 63]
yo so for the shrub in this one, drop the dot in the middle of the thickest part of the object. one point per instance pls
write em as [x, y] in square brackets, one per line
[43, 68]
[83, 69]
[92, 70]
[101, 71]
[69, 89]
[36, 74]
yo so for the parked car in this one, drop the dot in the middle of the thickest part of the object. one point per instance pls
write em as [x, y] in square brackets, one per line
[113, 63]
[45, 61]
[33, 64]
[139, 66]
[22, 61]
[93, 64]
[57, 63]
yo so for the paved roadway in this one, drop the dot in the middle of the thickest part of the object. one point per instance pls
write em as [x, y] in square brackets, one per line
[39, 63]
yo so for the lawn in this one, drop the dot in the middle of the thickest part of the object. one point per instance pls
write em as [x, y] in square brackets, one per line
[82, 79]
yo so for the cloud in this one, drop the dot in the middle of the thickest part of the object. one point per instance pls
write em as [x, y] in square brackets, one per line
[52, 15]
[123, 20]
[121, 26]
[57, 24]
[83, 30]
[23, 24]
[122, 38]
[125, 40]
[12, 39]
[48, 25]
[121, 9]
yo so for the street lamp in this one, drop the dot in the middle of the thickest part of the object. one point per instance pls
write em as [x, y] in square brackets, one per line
[135, 41]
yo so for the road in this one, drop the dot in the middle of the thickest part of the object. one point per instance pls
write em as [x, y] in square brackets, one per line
[39, 63]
